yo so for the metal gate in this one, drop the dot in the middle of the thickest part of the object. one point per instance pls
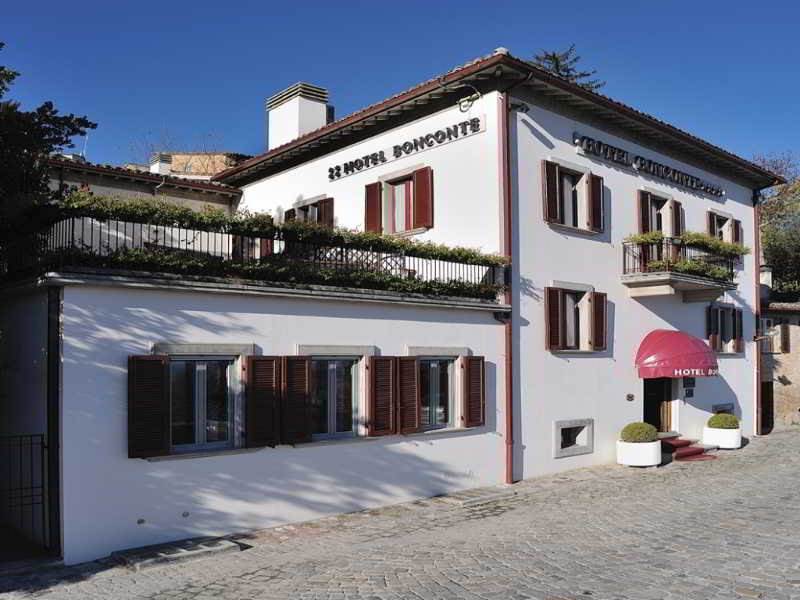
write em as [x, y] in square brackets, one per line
[23, 487]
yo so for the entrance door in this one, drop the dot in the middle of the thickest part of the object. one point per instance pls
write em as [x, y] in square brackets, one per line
[658, 403]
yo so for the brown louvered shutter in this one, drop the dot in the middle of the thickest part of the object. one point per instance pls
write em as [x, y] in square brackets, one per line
[148, 406]
[266, 247]
[552, 311]
[408, 395]
[325, 212]
[423, 198]
[382, 395]
[711, 227]
[595, 186]
[262, 420]
[474, 409]
[550, 185]
[289, 214]
[296, 402]
[737, 232]
[372, 207]
[677, 219]
[599, 320]
[738, 320]
[786, 344]
[712, 327]
[644, 211]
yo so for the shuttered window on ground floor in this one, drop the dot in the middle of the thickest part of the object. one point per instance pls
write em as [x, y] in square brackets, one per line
[177, 404]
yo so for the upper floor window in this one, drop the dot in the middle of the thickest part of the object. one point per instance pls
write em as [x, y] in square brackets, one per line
[775, 335]
[657, 213]
[724, 227]
[724, 329]
[403, 205]
[575, 319]
[320, 212]
[572, 198]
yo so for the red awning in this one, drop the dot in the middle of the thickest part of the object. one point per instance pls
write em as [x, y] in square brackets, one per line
[666, 353]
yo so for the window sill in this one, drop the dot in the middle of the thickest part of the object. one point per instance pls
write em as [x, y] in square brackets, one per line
[571, 229]
[576, 351]
[410, 232]
[441, 431]
[202, 454]
[731, 354]
[355, 439]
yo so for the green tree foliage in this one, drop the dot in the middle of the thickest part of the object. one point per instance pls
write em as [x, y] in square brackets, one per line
[25, 138]
[565, 64]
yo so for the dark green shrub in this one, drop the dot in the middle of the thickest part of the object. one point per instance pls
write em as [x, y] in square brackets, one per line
[723, 421]
[636, 433]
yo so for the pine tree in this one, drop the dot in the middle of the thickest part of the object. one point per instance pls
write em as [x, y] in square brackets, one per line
[564, 64]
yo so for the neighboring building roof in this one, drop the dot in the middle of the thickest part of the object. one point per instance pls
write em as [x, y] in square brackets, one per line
[783, 307]
[147, 177]
[499, 67]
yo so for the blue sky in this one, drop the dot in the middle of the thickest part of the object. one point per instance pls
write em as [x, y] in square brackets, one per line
[195, 75]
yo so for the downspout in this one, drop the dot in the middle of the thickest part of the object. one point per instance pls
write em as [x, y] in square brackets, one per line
[757, 302]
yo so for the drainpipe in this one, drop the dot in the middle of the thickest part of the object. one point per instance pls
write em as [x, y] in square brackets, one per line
[505, 174]
[757, 302]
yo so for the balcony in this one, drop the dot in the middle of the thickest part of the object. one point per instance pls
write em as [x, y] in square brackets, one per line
[670, 266]
[285, 257]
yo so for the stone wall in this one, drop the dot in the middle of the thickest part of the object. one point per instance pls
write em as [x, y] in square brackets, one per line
[785, 375]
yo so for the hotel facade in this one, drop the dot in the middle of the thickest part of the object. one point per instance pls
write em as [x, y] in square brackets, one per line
[176, 407]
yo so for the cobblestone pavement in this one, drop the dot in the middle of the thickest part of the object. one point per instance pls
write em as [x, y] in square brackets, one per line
[722, 529]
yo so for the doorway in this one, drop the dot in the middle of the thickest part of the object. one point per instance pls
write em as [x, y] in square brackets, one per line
[658, 403]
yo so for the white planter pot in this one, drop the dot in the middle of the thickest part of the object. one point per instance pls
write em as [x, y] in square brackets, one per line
[728, 439]
[645, 454]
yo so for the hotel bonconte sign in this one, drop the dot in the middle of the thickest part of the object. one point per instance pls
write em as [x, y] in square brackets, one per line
[643, 165]
[445, 135]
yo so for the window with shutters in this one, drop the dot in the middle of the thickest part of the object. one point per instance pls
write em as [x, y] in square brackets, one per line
[436, 397]
[201, 404]
[724, 329]
[724, 228]
[319, 211]
[573, 198]
[334, 397]
[575, 319]
[658, 213]
[400, 206]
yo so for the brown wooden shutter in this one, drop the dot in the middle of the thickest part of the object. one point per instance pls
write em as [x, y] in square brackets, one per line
[552, 311]
[677, 219]
[325, 212]
[644, 211]
[382, 395]
[289, 214]
[264, 387]
[266, 247]
[474, 409]
[738, 321]
[786, 344]
[423, 198]
[711, 220]
[595, 186]
[550, 186]
[296, 403]
[737, 232]
[599, 320]
[372, 207]
[712, 327]
[409, 401]
[148, 406]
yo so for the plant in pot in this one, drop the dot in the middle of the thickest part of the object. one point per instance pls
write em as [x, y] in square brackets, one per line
[724, 431]
[639, 446]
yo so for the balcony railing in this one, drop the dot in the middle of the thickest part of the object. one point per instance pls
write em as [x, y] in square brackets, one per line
[671, 255]
[279, 258]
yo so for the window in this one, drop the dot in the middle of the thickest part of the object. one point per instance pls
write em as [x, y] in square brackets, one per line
[334, 404]
[201, 406]
[435, 393]
[724, 329]
[400, 205]
[320, 212]
[660, 214]
[573, 437]
[572, 198]
[775, 335]
[724, 228]
[575, 319]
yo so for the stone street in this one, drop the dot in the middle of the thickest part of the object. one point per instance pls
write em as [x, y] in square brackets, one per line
[721, 529]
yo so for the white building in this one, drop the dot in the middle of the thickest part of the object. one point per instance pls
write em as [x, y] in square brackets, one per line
[390, 396]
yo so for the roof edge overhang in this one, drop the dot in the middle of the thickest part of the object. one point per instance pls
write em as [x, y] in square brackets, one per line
[499, 71]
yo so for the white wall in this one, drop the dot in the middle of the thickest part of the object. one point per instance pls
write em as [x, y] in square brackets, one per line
[465, 174]
[105, 493]
[594, 385]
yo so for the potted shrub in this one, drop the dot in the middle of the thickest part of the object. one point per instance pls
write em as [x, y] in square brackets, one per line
[639, 446]
[723, 431]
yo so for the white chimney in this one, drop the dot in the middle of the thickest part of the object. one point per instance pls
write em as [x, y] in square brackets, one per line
[296, 111]
[161, 164]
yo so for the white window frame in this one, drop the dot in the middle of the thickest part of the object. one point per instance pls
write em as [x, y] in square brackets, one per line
[583, 200]
[355, 387]
[725, 315]
[451, 371]
[585, 316]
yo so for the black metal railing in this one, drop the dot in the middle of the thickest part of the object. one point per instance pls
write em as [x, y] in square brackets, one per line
[74, 241]
[23, 490]
[672, 255]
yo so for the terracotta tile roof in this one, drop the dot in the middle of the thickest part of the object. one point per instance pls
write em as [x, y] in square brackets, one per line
[136, 175]
[502, 57]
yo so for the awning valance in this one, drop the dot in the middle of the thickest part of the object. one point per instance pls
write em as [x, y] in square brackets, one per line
[667, 353]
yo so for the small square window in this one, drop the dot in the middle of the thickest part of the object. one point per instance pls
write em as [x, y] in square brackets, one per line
[573, 437]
